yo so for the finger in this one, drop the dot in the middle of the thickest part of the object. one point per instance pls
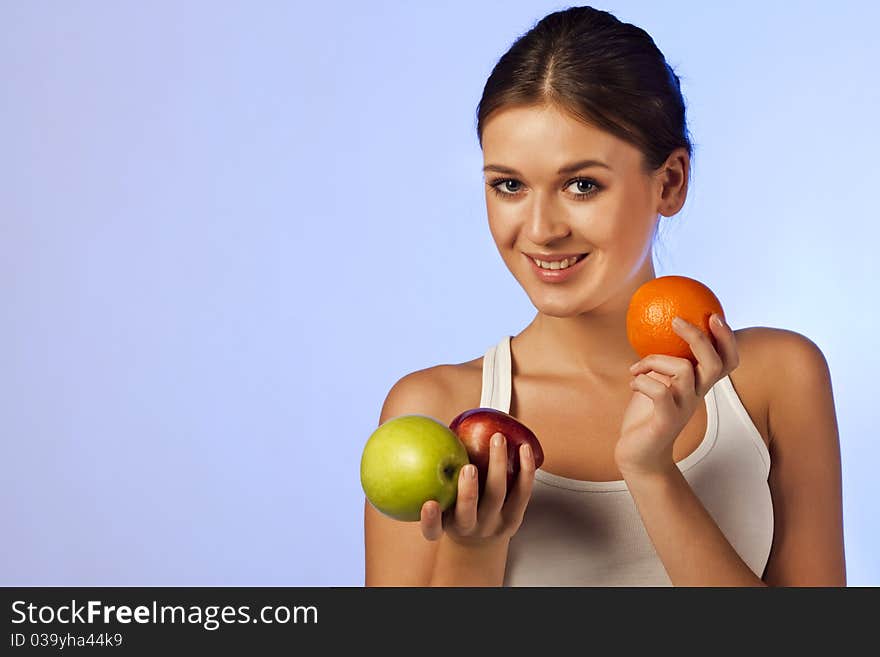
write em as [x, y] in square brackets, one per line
[518, 500]
[496, 479]
[680, 369]
[709, 364]
[466, 500]
[430, 522]
[675, 386]
[726, 340]
[665, 407]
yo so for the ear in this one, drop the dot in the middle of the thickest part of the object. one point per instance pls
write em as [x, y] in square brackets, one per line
[672, 182]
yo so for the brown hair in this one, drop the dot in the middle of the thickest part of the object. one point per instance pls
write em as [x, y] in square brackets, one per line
[603, 71]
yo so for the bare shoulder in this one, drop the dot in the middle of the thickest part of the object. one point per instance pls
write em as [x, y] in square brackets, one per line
[771, 361]
[440, 391]
[777, 354]
[771, 338]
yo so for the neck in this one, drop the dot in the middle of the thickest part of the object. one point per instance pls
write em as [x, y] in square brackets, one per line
[587, 345]
[590, 345]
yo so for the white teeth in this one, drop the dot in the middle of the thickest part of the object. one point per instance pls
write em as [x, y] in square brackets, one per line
[564, 264]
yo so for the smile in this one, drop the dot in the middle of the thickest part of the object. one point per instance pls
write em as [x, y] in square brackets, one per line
[557, 272]
[559, 264]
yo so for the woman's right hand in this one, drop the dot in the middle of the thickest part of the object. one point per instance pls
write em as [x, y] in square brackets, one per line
[476, 521]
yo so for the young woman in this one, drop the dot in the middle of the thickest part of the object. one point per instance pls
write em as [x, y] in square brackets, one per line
[656, 472]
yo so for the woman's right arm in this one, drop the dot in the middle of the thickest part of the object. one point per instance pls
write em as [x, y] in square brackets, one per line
[422, 553]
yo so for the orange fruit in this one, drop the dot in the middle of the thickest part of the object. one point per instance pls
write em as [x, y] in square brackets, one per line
[656, 302]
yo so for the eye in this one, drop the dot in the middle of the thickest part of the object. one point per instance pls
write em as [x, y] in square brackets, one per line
[504, 182]
[581, 190]
[500, 184]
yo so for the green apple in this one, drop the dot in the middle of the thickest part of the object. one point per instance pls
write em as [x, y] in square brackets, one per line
[408, 460]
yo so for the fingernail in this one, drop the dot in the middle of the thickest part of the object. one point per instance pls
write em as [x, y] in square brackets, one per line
[632, 368]
[527, 451]
[496, 439]
[677, 322]
[718, 321]
[471, 471]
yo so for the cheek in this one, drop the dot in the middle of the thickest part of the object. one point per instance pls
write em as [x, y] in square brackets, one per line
[623, 236]
[624, 228]
[503, 230]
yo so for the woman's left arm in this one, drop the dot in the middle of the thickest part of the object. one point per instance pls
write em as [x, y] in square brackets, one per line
[805, 475]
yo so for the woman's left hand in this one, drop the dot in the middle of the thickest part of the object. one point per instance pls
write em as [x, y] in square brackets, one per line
[666, 391]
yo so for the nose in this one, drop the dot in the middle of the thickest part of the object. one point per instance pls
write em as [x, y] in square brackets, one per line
[545, 224]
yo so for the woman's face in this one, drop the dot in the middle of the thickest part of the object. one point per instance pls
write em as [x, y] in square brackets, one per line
[609, 213]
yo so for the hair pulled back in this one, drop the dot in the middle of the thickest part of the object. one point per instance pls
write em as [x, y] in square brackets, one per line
[604, 72]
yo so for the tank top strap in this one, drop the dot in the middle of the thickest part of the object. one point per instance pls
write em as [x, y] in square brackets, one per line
[733, 405]
[497, 383]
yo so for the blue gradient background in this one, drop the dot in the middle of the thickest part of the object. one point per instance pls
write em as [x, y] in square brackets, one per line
[227, 228]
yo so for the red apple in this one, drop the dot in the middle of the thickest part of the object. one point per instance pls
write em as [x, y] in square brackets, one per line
[475, 428]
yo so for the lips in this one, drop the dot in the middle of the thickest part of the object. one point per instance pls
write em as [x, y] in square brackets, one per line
[571, 259]
[557, 275]
[557, 257]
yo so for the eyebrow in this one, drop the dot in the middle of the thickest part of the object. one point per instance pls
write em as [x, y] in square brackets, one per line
[568, 168]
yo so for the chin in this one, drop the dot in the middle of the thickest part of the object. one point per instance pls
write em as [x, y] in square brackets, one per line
[553, 312]
[557, 305]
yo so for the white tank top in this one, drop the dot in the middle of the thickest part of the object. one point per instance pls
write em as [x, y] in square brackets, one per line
[589, 533]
